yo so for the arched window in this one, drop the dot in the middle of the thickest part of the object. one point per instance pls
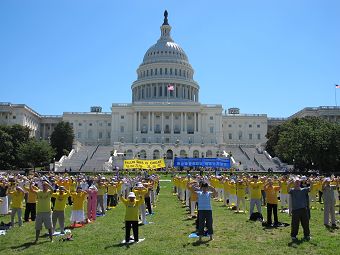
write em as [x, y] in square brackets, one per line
[182, 153]
[208, 154]
[142, 154]
[156, 154]
[196, 154]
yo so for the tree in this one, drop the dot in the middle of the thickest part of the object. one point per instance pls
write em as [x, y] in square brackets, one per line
[17, 136]
[307, 143]
[62, 138]
[36, 153]
[6, 148]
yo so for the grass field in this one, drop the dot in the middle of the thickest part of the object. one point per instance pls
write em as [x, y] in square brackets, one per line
[169, 234]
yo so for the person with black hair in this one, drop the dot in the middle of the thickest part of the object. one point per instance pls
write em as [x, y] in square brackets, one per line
[205, 210]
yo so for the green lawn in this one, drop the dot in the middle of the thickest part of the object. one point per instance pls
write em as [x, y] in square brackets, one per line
[169, 235]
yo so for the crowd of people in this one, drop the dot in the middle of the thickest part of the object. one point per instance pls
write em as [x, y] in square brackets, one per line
[295, 194]
[43, 199]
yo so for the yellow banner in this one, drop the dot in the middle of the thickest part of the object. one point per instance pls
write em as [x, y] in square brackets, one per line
[143, 164]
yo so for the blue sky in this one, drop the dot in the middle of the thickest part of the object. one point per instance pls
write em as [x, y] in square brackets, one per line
[272, 57]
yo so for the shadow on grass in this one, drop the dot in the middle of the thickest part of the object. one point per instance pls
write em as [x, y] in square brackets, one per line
[295, 244]
[26, 245]
[127, 246]
[331, 228]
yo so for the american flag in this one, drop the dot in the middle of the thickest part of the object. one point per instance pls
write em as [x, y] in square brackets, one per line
[171, 87]
[337, 86]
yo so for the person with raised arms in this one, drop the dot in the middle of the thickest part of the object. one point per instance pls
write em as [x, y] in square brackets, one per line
[204, 195]
[61, 196]
[43, 209]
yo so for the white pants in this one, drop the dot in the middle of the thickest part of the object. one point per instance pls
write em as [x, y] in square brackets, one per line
[220, 193]
[232, 199]
[187, 196]
[192, 207]
[142, 212]
[284, 200]
[4, 205]
[329, 209]
[182, 195]
[226, 197]
[241, 200]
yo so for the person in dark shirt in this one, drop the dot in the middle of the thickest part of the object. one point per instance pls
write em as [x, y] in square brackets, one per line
[300, 210]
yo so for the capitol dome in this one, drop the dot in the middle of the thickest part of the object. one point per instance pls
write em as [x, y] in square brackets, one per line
[165, 73]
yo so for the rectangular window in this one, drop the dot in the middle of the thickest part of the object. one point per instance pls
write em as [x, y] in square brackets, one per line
[90, 124]
[100, 135]
[258, 126]
[151, 72]
[122, 129]
[147, 72]
[156, 71]
[79, 124]
[160, 71]
[100, 124]
[258, 136]
[250, 136]
[166, 71]
[122, 117]
[175, 71]
[109, 124]
[109, 134]
[211, 118]
[230, 136]
[79, 134]
[211, 130]
[250, 125]
[14, 117]
[170, 71]
[229, 125]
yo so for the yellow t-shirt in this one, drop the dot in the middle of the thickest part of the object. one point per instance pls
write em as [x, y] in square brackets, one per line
[60, 201]
[232, 188]
[101, 190]
[44, 201]
[131, 213]
[141, 192]
[17, 198]
[78, 200]
[284, 187]
[255, 190]
[241, 189]
[112, 189]
[271, 194]
[31, 196]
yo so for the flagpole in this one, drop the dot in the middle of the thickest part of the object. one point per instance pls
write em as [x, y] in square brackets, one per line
[336, 101]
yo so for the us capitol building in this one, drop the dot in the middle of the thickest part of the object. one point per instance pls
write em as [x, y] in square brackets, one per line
[164, 119]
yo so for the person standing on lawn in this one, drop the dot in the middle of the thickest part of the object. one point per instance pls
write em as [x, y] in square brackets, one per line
[61, 197]
[17, 195]
[299, 210]
[131, 216]
[43, 209]
[205, 217]
[272, 201]
[329, 202]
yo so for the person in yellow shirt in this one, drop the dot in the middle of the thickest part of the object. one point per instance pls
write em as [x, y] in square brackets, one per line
[272, 201]
[58, 214]
[226, 193]
[232, 193]
[102, 189]
[241, 187]
[255, 195]
[284, 196]
[140, 191]
[193, 198]
[131, 216]
[78, 199]
[31, 203]
[112, 194]
[43, 209]
[17, 195]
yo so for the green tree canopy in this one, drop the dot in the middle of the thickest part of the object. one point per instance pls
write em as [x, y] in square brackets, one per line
[6, 148]
[307, 143]
[62, 138]
[36, 153]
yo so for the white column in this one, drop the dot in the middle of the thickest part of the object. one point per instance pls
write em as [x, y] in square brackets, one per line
[195, 123]
[135, 121]
[172, 123]
[139, 117]
[150, 121]
[162, 127]
[185, 123]
[153, 122]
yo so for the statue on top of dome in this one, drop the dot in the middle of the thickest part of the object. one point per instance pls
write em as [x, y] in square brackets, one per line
[165, 18]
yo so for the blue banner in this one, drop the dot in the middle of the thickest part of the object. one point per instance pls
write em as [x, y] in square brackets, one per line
[202, 162]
